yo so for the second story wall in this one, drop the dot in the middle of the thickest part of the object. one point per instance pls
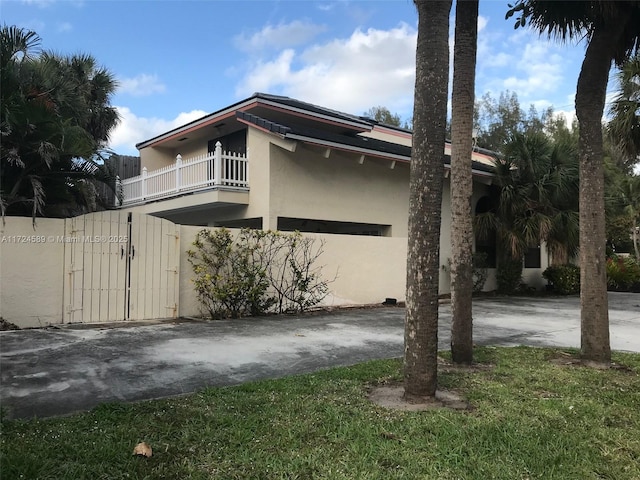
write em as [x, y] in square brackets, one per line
[306, 185]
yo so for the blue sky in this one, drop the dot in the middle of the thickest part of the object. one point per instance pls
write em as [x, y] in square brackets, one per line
[179, 60]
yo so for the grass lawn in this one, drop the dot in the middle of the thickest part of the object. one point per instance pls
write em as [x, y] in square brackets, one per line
[532, 418]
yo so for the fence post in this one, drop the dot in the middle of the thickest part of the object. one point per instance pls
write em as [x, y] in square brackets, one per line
[178, 170]
[246, 168]
[143, 188]
[217, 165]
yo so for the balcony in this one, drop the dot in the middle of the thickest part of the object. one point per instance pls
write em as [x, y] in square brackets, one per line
[215, 170]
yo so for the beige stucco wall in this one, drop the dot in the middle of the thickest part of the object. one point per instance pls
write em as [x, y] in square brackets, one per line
[154, 158]
[191, 149]
[32, 271]
[305, 184]
[364, 270]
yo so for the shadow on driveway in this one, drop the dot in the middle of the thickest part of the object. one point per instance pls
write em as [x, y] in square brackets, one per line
[56, 371]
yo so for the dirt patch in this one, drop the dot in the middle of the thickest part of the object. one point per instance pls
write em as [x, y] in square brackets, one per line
[392, 397]
[4, 325]
[566, 359]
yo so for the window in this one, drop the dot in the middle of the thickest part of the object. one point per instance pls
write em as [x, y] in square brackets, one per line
[235, 142]
[532, 257]
[486, 244]
[287, 224]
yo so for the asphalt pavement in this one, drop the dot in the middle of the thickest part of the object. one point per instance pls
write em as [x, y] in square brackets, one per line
[58, 371]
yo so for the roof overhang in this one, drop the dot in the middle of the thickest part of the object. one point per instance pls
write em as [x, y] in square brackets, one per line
[258, 100]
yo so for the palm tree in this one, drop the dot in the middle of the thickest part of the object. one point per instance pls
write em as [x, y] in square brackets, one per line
[624, 127]
[612, 29]
[425, 199]
[537, 179]
[56, 120]
[563, 236]
[623, 200]
[462, 101]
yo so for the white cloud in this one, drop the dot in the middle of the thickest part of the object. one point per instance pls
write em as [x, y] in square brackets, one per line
[372, 67]
[39, 3]
[280, 36]
[482, 23]
[133, 129]
[141, 85]
[567, 115]
[326, 7]
[539, 70]
[64, 27]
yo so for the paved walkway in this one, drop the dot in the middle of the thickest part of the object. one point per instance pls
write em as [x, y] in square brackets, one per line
[58, 371]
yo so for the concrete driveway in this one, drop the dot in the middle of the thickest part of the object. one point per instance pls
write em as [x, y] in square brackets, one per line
[58, 371]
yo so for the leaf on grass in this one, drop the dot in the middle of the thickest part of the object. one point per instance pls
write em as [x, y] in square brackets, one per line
[143, 449]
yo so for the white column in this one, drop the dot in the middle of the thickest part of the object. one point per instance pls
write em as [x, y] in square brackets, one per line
[178, 172]
[246, 168]
[143, 189]
[217, 165]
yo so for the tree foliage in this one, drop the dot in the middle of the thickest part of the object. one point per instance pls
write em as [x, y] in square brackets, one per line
[537, 177]
[55, 123]
[624, 126]
[256, 272]
[497, 119]
[612, 33]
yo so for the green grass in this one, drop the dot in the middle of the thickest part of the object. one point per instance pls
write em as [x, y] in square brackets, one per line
[531, 419]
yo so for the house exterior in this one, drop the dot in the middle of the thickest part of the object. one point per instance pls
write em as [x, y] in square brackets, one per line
[273, 162]
[266, 162]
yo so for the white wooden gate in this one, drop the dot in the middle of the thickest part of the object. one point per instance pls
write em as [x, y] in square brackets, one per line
[120, 266]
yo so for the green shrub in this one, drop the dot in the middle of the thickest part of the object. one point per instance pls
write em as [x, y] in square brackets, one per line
[509, 276]
[256, 272]
[623, 274]
[565, 279]
[228, 282]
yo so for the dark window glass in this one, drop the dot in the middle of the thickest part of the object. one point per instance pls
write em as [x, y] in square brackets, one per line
[532, 258]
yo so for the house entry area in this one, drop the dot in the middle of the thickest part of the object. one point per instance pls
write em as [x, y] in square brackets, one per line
[120, 266]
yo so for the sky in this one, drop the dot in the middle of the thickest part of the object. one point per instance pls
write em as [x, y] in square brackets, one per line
[176, 61]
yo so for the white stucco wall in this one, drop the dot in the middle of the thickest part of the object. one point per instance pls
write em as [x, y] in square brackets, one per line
[32, 271]
[363, 270]
[366, 269]
[305, 184]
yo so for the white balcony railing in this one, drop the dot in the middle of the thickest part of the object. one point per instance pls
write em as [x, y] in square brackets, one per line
[215, 169]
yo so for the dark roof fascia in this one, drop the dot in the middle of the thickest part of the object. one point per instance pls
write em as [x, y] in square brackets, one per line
[391, 151]
[224, 111]
[387, 125]
[346, 147]
[309, 109]
[262, 123]
[284, 103]
[477, 168]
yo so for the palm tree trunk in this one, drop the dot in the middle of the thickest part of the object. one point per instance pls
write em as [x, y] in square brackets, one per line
[462, 102]
[590, 100]
[425, 199]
